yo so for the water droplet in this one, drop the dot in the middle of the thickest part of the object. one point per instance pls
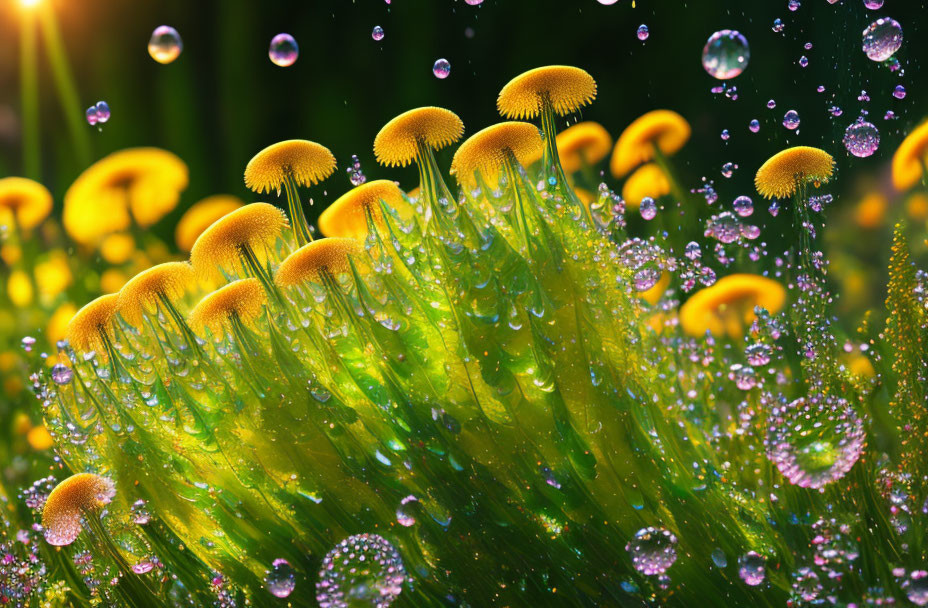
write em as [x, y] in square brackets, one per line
[803, 61]
[648, 208]
[646, 278]
[140, 514]
[377, 33]
[754, 125]
[406, 512]
[743, 206]
[643, 32]
[916, 587]
[281, 580]
[103, 111]
[728, 169]
[791, 120]
[793, 5]
[725, 135]
[861, 138]
[726, 54]
[62, 374]
[873, 4]
[899, 92]
[284, 50]
[718, 558]
[474, 2]
[752, 568]
[771, 104]
[165, 44]
[882, 38]
[653, 550]
[362, 570]
[778, 25]
[692, 251]
[441, 68]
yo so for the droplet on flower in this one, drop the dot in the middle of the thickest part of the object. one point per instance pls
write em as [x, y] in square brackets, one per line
[441, 68]
[165, 44]
[643, 32]
[725, 54]
[377, 33]
[791, 120]
[281, 580]
[362, 570]
[861, 138]
[284, 50]
[882, 38]
[653, 550]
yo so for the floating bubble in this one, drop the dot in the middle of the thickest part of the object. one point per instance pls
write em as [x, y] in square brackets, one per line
[718, 558]
[653, 550]
[791, 120]
[406, 512]
[692, 250]
[62, 374]
[648, 208]
[607, 2]
[726, 54]
[803, 61]
[743, 206]
[725, 135]
[771, 104]
[473, 2]
[861, 138]
[806, 584]
[778, 25]
[899, 92]
[752, 568]
[441, 68]
[916, 587]
[646, 278]
[362, 570]
[377, 33]
[281, 580]
[758, 353]
[165, 44]
[882, 38]
[643, 32]
[754, 125]
[793, 5]
[873, 4]
[284, 50]
[728, 169]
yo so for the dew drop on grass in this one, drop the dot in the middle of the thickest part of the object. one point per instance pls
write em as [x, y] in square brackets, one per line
[653, 550]
[165, 44]
[752, 568]
[362, 570]
[284, 50]
[725, 54]
[281, 579]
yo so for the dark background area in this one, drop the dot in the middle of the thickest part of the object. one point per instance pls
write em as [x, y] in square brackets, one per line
[223, 100]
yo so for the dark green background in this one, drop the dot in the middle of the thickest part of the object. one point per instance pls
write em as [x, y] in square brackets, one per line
[223, 100]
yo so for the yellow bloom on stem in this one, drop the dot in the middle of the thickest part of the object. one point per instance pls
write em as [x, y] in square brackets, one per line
[69, 501]
[325, 255]
[241, 300]
[19, 289]
[201, 215]
[398, 141]
[488, 150]
[144, 181]
[565, 88]
[909, 159]
[648, 180]
[29, 202]
[347, 216]
[786, 170]
[727, 307]
[90, 328]
[583, 145]
[871, 210]
[252, 227]
[305, 161]
[663, 130]
[155, 286]
[117, 248]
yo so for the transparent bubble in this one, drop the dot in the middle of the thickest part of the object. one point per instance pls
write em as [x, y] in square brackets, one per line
[725, 135]
[754, 125]
[752, 568]
[643, 32]
[793, 5]
[441, 68]
[281, 579]
[103, 111]
[646, 278]
[758, 354]
[791, 120]
[916, 587]
[778, 25]
[725, 54]
[803, 61]
[140, 514]
[743, 206]
[899, 92]
[861, 138]
[62, 374]
[284, 50]
[377, 33]
[882, 38]
[648, 208]
[806, 584]
[607, 2]
[771, 104]
[473, 2]
[165, 44]
[728, 169]
[718, 558]
[653, 550]
[407, 511]
[362, 570]
[873, 4]
[692, 250]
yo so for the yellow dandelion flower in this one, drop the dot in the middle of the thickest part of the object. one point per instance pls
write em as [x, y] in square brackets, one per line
[488, 150]
[871, 210]
[201, 215]
[784, 171]
[117, 248]
[250, 228]
[144, 181]
[648, 180]
[398, 141]
[727, 307]
[28, 201]
[53, 274]
[159, 284]
[90, 327]
[241, 300]
[67, 503]
[910, 157]
[566, 89]
[305, 161]
[57, 328]
[347, 216]
[19, 289]
[325, 255]
[583, 145]
[658, 130]
[39, 438]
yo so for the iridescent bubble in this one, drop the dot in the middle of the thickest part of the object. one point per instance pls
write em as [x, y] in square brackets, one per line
[165, 44]
[91, 115]
[806, 584]
[882, 38]
[653, 550]
[646, 278]
[793, 5]
[362, 570]
[473, 2]
[791, 120]
[728, 169]
[281, 580]
[725, 135]
[754, 125]
[778, 25]
[752, 568]
[692, 250]
[916, 587]
[743, 206]
[103, 111]
[873, 4]
[607, 2]
[284, 50]
[726, 54]
[718, 558]
[407, 511]
[861, 138]
[643, 32]
[441, 68]
[771, 104]
[377, 33]
[803, 61]
[758, 353]
[143, 566]
[899, 92]
[743, 376]
[648, 208]
[62, 374]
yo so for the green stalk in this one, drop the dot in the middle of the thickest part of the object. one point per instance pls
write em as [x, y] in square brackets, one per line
[297, 217]
[29, 81]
